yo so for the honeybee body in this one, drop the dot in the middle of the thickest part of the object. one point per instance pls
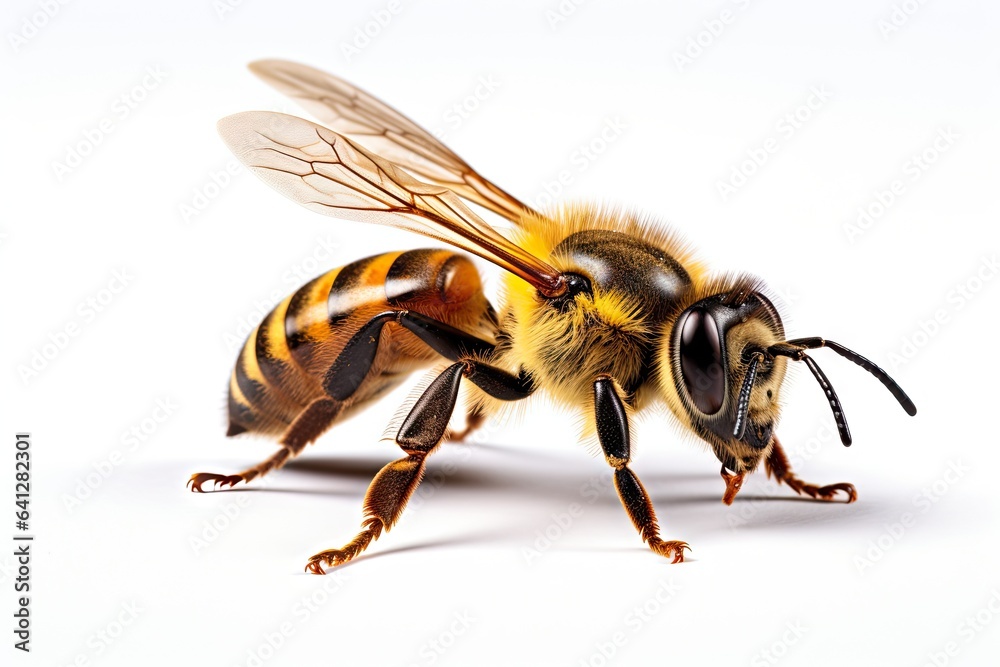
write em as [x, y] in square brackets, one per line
[286, 361]
[603, 310]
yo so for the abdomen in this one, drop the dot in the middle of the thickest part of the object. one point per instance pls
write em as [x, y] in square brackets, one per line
[281, 367]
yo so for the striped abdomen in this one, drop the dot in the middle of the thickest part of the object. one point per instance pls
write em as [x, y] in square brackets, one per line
[281, 367]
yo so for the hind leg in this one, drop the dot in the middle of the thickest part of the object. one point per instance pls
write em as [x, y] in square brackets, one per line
[344, 377]
[309, 425]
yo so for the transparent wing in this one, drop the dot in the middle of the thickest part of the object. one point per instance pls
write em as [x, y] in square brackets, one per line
[328, 173]
[381, 129]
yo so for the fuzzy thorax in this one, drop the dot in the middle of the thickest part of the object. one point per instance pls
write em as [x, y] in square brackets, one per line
[606, 332]
[566, 351]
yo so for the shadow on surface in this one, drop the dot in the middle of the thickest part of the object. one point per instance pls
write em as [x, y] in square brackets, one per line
[493, 473]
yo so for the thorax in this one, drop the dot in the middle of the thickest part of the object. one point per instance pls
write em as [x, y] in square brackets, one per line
[612, 329]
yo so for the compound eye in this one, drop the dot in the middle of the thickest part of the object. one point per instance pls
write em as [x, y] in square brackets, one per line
[701, 361]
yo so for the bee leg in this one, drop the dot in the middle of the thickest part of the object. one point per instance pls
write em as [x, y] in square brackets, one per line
[473, 420]
[306, 427]
[349, 370]
[420, 434]
[393, 485]
[345, 376]
[612, 431]
[776, 464]
[351, 366]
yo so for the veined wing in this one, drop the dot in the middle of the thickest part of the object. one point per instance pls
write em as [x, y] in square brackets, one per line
[328, 173]
[352, 112]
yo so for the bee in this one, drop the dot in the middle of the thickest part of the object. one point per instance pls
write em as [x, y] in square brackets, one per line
[604, 310]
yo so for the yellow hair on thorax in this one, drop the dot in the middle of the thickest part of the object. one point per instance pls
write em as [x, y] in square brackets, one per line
[605, 333]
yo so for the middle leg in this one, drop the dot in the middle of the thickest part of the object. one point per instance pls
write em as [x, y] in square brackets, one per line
[420, 434]
[474, 419]
[612, 432]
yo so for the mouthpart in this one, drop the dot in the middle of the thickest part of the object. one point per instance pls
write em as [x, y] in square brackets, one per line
[734, 482]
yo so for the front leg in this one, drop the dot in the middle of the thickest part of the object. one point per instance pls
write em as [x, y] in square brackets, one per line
[777, 464]
[612, 431]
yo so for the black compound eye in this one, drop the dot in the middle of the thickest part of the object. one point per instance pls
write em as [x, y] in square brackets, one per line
[701, 361]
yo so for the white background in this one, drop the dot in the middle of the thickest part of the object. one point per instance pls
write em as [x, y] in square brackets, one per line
[854, 585]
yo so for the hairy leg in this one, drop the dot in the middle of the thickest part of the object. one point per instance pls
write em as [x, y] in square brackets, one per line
[777, 465]
[309, 425]
[421, 433]
[612, 431]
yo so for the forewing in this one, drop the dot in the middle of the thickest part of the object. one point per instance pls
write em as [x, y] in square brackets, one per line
[381, 129]
[328, 173]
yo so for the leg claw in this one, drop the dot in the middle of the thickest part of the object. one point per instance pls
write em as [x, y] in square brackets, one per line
[829, 492]
[314, 567]
[674, 548]
[330, 557]
[200, 478]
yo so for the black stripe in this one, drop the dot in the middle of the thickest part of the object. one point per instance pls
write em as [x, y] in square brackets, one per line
[411, 274]
[298, 303]
[273, 369]
[340, 303]
[240, 414]
[254, 391]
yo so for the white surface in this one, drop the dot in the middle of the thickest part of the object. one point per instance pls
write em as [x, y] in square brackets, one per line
[765, 564]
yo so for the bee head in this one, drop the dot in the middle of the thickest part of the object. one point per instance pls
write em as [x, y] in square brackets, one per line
[725, 360]
[726, 383]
